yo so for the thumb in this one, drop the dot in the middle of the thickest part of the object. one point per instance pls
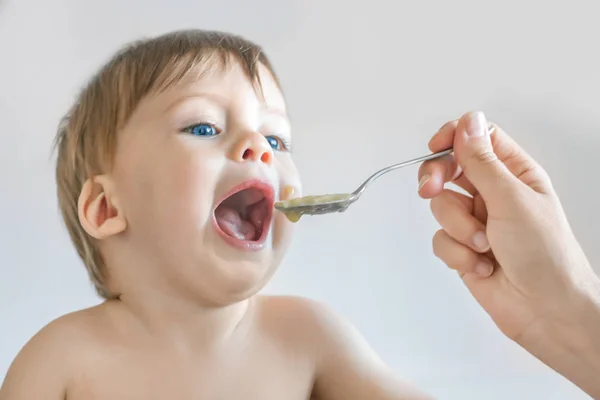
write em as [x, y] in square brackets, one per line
[475, 154]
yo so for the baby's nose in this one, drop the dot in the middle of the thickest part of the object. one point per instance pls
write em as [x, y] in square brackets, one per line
[253, 147]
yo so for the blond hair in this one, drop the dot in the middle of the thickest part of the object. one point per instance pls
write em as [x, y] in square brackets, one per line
[87, 135]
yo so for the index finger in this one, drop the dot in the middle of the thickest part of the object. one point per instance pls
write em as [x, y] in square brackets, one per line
[443, 139]
[435, 173]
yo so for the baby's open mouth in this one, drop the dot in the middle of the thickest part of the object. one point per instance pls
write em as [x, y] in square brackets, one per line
[246, 214]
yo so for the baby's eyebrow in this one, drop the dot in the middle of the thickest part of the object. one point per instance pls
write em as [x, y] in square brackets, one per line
[275, 110]
[213, 97]
[223, 101]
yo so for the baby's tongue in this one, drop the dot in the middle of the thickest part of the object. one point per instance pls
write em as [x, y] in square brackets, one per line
[232, 224]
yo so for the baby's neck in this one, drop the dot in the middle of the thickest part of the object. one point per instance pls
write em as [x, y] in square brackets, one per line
[177, 320]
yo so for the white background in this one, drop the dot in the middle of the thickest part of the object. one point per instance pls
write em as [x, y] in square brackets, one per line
[368, 82]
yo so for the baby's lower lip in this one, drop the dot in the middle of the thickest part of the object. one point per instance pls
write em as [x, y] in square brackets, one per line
[242, 243]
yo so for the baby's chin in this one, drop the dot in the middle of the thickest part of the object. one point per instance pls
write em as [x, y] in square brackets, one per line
[208, 268]
[226, 277]
[229, 290]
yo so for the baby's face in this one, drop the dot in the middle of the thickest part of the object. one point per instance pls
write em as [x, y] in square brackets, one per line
[197, 170]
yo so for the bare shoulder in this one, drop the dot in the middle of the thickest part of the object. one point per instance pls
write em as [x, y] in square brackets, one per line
[307, 317]
[310, 325]
[346, 367]
[292, 306]
[44, 365]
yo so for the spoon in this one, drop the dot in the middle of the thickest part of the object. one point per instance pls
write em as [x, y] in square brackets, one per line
[294, 209]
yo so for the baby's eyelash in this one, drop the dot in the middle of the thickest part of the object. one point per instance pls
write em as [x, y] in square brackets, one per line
[288, 145]
[202, 129]
[207, 129]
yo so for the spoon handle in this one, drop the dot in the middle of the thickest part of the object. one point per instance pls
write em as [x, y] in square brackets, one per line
[393, 167]
[428, 157]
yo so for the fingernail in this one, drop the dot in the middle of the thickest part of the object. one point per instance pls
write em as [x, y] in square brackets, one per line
[424, 179]
[484, 268]
[480, 241]
[476, 125]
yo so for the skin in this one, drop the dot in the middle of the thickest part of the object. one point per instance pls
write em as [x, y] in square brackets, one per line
[511, 244]
[188, 323]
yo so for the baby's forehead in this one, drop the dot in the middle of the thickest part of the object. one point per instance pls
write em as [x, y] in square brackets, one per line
[227, 86]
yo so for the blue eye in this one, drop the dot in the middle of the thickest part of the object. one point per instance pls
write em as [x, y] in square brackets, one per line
[201, 130]
[273, 142]
[276, 143]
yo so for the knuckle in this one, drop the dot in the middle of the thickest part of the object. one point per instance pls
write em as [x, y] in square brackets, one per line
[434, 205]
[450, 125]
[439, 203]
[457, 258]
[443, 206]
[466, 264]
[543, 182]
[486, 156]
[437, 242]
[466, 226]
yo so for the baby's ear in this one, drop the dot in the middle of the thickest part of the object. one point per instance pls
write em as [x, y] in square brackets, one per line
[98, 208]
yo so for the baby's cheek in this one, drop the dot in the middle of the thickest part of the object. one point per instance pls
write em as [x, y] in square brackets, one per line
[290, 185]
[283, 228]
[289, 191]
[282, 231]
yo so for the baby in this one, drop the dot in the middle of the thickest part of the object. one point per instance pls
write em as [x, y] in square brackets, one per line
[169, 164]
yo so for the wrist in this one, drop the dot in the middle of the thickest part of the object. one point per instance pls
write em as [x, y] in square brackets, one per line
[568, 339]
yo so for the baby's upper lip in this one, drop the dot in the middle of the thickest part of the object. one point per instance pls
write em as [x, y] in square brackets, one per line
[256, 183]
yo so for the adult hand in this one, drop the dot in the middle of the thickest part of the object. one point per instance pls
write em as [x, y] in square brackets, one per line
[511, 244]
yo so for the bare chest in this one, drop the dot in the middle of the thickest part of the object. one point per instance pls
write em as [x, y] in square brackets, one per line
[261, 373]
